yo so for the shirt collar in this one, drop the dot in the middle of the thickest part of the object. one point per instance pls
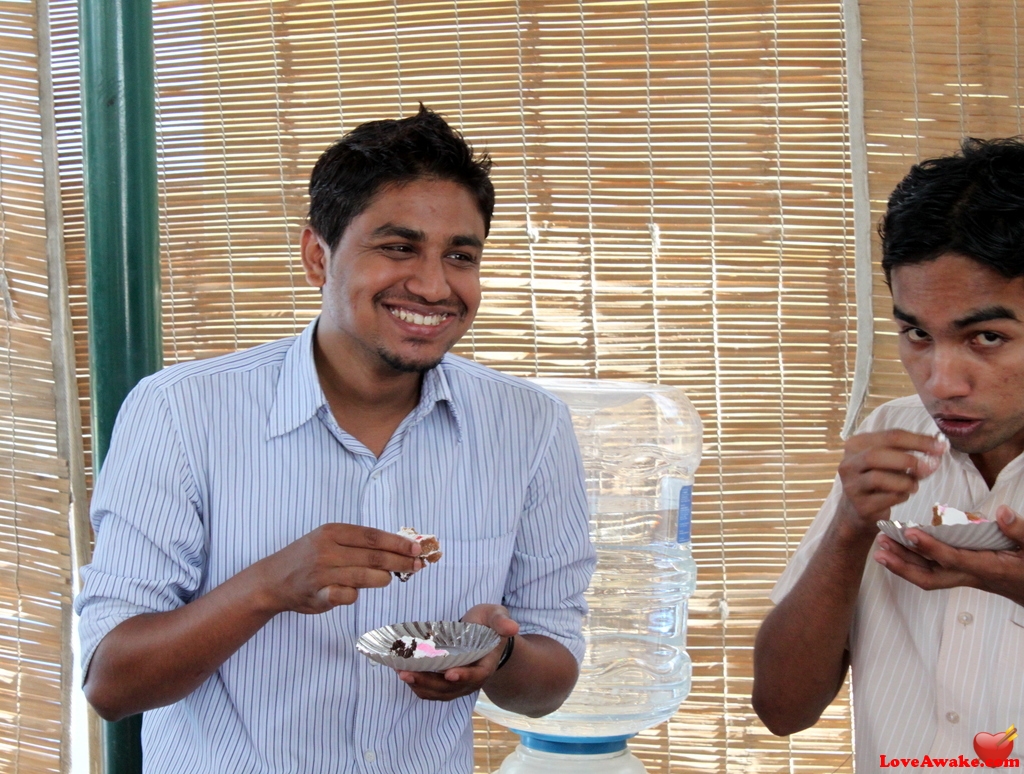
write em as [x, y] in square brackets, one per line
[298, 395]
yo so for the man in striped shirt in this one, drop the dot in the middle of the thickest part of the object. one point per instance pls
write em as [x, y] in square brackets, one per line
[934, 634]
[246, 512]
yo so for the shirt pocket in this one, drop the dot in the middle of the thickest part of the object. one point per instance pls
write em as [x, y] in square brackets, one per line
[470, 572]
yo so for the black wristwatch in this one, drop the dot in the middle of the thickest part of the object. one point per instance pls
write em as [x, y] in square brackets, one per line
[506, 654]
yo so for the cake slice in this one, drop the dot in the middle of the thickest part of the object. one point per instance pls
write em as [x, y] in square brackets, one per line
[947, 514]
[431, 549]
[414, 647]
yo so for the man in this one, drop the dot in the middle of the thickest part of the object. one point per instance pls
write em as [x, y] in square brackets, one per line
[246, 512]
[934, 635]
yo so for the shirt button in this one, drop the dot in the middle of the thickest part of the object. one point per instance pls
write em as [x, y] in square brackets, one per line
[965, 618]
[369, 756]
[375, 475]
[952, 717]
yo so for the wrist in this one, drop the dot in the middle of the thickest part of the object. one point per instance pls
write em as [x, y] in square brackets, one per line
[852, 528]
[506, 654]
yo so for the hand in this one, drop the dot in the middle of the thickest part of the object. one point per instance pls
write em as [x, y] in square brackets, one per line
[932, 564]
[879, 471]
[464, 680]
[328, 566]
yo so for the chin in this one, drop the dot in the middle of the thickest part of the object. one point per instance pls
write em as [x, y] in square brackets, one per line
[408, 365]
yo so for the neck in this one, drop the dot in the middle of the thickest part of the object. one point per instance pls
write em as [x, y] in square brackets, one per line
[990, 464]
[367, 402]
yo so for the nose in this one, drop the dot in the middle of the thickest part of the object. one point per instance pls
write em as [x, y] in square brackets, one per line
[428, 279]
[949, 373]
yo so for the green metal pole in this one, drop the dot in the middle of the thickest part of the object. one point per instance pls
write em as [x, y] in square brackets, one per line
[122, 244]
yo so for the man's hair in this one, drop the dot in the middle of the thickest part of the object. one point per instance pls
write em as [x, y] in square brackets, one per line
[971, 204]
[378, 154]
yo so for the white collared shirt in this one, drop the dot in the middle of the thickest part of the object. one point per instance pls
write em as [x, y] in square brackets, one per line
[931, 669]
[218, 463]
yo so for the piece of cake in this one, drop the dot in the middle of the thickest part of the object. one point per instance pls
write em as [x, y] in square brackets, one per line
[947, 514]
[430, 549]
[414, 647]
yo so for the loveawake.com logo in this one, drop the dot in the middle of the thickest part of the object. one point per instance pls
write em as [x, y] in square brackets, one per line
[993, 752]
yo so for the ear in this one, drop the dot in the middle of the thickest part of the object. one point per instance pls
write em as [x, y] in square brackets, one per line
[314, 257]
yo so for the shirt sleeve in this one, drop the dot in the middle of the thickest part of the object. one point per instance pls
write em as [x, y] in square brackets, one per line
[553, 558]
[879, 419]
[808, 545]
[150, 551]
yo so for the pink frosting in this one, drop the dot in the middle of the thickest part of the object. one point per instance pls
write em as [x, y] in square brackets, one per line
[426, 649]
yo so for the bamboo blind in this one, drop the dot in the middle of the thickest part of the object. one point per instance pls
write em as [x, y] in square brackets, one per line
[35, 563]
[934, 71]
[673, 205]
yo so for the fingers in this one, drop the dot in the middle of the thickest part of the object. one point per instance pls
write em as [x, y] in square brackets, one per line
[880, 470]
[494, 616]
[904, 440]
[355, 536]
[437, 686]
[1010, 523]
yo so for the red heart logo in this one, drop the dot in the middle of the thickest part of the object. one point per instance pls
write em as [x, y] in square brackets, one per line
[993, 749]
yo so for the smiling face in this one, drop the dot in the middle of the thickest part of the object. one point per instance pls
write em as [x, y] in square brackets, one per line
[961, 339]
[403, 284]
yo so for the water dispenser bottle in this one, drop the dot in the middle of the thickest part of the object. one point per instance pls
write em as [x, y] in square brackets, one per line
[641, 444]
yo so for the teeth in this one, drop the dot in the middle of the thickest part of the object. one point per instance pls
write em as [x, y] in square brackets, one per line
[418, 319]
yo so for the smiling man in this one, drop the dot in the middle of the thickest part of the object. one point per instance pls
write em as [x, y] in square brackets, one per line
[246, 512]
[934, 635]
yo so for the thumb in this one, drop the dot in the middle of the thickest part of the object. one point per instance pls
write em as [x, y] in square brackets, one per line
[504, 625]
[1010, 522]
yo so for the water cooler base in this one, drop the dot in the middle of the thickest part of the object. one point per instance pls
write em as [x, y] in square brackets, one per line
[539, 755]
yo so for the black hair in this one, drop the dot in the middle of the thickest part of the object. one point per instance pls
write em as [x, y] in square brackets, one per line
[971, 204]
[385, 153]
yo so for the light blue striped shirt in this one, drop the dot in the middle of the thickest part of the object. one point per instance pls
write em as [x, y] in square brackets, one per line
[217, 463]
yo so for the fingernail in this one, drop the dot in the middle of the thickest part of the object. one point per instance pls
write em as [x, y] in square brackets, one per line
[882, 561]
[883, 544]
[912, 540]
[1010, 517]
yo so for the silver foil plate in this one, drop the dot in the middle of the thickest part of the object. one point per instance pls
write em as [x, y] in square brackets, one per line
[977, 536]
[465, 643]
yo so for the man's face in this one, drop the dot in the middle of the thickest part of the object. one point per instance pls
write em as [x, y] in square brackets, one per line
[403, 284]
[961, 339]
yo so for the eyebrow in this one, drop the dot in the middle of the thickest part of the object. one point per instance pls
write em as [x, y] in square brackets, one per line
[415, 235]
[995, 312]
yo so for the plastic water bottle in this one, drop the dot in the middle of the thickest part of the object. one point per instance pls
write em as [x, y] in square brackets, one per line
[641, 445]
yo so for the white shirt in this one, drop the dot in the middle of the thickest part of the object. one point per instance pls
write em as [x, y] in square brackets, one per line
[218, 463]
[931, 669]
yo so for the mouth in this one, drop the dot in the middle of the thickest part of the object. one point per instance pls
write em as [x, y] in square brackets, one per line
[434, 320]
[957, 426]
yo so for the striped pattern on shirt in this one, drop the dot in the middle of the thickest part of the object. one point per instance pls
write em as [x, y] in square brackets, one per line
[931, 669]
[218, 463]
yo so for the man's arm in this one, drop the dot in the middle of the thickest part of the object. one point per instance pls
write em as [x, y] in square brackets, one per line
[155, 659]
[535, 680]
[800, 656]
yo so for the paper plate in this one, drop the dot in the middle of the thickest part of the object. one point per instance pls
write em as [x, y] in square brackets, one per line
[977, 536]
[465, 643]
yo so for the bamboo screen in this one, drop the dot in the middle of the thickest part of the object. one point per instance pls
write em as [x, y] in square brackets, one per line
[674, 204]
[35, 562]
[934, 71]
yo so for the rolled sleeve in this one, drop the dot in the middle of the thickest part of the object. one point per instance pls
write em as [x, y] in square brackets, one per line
[150, 551]
[553, 558]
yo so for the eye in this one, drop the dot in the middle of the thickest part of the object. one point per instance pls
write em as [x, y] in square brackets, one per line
[915, 335]
[988, 339]
[464, 258]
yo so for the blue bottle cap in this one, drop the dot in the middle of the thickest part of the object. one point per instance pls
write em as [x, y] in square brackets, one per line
[573, 745]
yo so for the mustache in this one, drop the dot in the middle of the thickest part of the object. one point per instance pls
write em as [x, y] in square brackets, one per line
[451, 305]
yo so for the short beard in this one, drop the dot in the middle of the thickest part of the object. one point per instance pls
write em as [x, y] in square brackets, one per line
[406, 366]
